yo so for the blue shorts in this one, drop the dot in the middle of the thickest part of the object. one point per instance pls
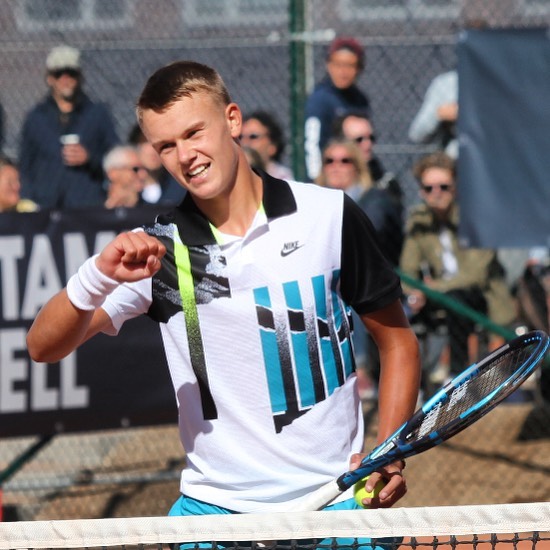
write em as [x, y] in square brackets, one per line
[187, 506]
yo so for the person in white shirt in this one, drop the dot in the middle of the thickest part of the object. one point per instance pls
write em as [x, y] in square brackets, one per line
[435, 121]
[251, 279]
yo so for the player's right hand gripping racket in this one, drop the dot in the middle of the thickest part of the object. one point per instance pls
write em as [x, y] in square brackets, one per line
[454, 407]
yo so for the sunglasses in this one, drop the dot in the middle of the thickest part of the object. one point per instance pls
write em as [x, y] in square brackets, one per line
[135, 169]
[441, 186]
[330, 160]
[370, 137]
[73, 73]
[252, 137]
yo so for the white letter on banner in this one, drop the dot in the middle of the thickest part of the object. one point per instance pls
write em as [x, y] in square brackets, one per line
[12, 370]
[43, 280]
[72, 396]
[76, 252]
[11, 249]
[42, 397]
[102, 239]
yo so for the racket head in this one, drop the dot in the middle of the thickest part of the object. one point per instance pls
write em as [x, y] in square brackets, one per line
[476, 391]
[459, 403]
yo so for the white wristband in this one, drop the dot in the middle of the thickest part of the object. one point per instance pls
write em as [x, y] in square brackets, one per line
[88, 288]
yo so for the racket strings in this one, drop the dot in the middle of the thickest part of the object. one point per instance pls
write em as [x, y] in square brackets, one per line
[473, 392]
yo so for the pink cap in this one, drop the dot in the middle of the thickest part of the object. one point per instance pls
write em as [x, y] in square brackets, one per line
[350, 44]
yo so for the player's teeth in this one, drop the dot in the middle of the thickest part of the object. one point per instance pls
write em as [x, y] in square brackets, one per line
[197, 171]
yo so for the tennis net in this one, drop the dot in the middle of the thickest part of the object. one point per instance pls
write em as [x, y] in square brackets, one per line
[498, 526]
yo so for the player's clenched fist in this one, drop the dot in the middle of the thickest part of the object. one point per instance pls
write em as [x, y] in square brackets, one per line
[131, 256]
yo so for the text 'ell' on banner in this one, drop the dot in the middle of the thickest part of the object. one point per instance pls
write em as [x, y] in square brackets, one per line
[107, 383]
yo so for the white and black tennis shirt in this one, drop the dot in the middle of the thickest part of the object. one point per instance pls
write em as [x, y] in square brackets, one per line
[257, 337]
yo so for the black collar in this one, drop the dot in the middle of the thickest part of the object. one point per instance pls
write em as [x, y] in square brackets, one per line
[194, 227]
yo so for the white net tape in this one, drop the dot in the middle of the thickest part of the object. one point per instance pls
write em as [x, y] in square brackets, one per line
[396, 522]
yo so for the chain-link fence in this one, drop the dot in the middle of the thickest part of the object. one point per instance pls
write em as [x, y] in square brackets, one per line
[254, 44]
[408, 42]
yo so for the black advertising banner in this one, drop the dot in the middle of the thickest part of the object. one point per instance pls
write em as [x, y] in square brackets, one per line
[504, 129]
[110, 381]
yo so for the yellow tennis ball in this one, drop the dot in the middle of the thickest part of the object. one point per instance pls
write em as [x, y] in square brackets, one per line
[359, 491]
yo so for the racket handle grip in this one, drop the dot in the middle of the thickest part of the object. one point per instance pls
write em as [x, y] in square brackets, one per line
[318, 499]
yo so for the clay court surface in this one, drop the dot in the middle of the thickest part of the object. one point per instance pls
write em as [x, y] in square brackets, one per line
[504, 458]
[464, 543]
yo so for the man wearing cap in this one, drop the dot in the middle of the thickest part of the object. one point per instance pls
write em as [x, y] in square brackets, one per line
[334, 96]
[64, 139]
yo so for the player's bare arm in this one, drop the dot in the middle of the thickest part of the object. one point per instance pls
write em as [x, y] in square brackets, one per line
[400, 366]
[61, 326]
[398, 389]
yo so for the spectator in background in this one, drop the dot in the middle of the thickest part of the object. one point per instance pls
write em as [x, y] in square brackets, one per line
[344, 168]
[435, 122]
[10, 187]
[2, 126]
[431, 252]
[126, 177]
[159, 186]
[334, 96]
[357, 127]
[533, 290]
[254, 158]
[533, 295]
[262, 132]
[64, 139]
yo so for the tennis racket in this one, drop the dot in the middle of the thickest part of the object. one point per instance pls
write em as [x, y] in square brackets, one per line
[459, 403]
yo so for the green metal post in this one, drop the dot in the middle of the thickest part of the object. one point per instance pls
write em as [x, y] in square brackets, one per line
[457, 307]
[297, 30]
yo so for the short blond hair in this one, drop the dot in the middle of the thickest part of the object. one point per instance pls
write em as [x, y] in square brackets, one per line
[180, 79]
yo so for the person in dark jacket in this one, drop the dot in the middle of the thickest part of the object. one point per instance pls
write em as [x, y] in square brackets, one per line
[334, 96]
[64, 139]
[433, 254]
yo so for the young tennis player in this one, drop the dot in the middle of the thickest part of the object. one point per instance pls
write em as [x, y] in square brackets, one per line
[251, 279]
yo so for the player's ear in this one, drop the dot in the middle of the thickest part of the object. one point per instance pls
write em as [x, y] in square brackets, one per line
[234, 118]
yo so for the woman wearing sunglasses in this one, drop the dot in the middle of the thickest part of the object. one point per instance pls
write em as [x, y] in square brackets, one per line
[432, 253]
[343, 168]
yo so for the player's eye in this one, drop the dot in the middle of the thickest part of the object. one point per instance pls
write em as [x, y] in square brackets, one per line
[165, 147]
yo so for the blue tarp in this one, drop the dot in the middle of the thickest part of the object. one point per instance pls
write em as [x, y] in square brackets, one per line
[504, 134]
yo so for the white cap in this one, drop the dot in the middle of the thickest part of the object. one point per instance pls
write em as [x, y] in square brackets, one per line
[63, 57]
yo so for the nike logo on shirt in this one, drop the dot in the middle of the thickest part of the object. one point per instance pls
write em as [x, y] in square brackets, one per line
[289, 248]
